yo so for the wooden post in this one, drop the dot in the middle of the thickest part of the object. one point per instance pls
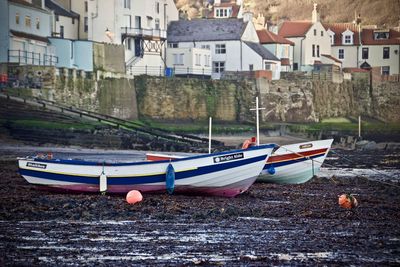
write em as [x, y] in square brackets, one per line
[257, 121]
[359, 126]
[209, 135]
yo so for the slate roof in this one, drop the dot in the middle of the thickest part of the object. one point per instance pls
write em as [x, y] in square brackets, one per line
[294, 28]
[262, 51]
[267, 37]
[205, 30]
[60, 10]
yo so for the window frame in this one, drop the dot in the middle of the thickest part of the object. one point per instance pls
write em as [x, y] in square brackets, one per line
[28, 21]
[341, 55]
[218, 66]
[17, 18]
[386, 52]
[365, 53]
[220, 49]
[386, 71]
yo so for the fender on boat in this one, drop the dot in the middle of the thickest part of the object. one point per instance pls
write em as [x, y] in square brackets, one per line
[271, 170]
[170, 179]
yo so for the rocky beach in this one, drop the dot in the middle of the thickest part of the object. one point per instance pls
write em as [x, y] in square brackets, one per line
[269, 224]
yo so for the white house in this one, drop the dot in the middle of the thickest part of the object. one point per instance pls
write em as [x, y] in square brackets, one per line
[225, 9]
[282, 48]
[233, 43]
[189, 61]
[140, 25]
[65, 22]
[357, 47]
[24, 28]
[381, 48]
[310, 39]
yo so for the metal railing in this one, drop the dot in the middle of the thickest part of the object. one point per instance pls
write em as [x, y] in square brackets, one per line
[33, 58]
[144, 32]
[174, 71]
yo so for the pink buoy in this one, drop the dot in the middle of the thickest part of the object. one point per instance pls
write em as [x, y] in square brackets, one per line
[133, 197]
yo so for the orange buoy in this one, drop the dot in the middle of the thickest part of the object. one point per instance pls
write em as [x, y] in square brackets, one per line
[133, 197]
[347, 201]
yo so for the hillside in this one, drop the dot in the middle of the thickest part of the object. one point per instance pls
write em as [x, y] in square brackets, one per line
[384, 13]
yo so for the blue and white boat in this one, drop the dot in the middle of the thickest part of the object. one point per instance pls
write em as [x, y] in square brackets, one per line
[221, 174]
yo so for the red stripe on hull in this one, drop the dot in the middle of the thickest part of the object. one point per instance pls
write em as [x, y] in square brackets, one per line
[276, 158]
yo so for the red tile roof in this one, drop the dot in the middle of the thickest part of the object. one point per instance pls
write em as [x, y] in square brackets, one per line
[367, 38]
[294, 28]
[367, 35]
[339, 28]
[331, 57]
[267, 37]
[285, 62]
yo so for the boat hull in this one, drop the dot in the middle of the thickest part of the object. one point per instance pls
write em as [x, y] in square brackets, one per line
[221, 174]
[295, 163]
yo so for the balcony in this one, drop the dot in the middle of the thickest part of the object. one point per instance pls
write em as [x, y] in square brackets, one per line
[31, 58]
[147, 34]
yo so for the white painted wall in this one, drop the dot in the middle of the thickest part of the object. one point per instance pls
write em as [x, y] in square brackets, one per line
[376, 59]
[311, 39]
[70, 30]
[350, 55]
[189, 60]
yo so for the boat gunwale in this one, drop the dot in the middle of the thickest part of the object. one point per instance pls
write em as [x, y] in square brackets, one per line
[105, 163]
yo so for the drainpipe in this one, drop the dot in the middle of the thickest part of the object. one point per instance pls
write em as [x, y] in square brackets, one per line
[241, 56]
[301, 52]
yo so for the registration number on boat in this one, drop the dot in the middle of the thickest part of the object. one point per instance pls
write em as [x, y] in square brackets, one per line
[228, 157]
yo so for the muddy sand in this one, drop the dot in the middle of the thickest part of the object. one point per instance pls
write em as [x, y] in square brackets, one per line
[270, 225]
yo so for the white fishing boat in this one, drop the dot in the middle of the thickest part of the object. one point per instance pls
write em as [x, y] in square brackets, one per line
[221, 174]
[289, 164]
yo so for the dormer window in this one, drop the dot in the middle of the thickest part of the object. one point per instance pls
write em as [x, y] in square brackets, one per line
[347, 37]
[381, 35]
[222, 12]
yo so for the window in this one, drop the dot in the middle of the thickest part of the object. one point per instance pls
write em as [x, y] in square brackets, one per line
[268, 66]
[62, 31]
[381, 35]
[386, 52]
[127, 4]
[73, 20]
[205, 47]
[322, 33]
[251, 67]
[221, 13]
[218, 66]
[85, 25]
[157, 24]
[315, 32]
[295, 66]
[28, 21]
[178, 59]
[317, 50]
[365, 53]
[57, 18]
[17, 18]
[220, 49]
[332, 38]
[37, 23]
[347, 39]
[173, 45]
[158, 7]
[138, 22]
[313, 50]
[86, 6]
[385, 70]
[341, 54]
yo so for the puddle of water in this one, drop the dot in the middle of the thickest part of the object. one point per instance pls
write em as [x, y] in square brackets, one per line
[386, 174]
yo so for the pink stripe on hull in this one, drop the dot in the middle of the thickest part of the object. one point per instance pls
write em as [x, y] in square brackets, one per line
[226, 191]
